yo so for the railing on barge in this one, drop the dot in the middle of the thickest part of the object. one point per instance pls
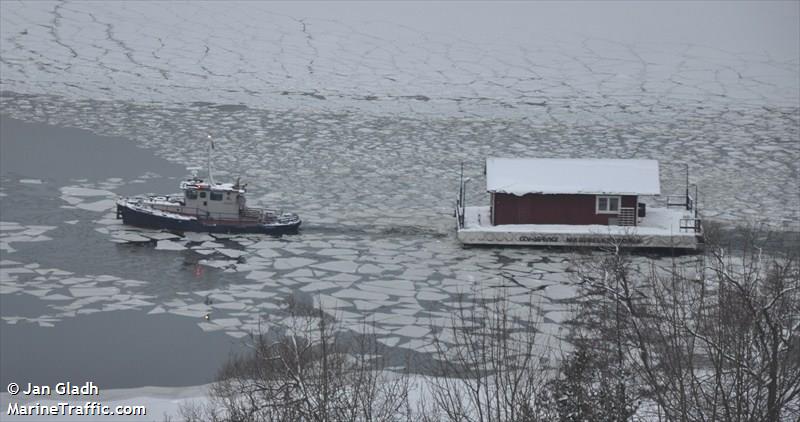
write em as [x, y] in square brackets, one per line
[688, 202]
[691, 224]
[459, 214]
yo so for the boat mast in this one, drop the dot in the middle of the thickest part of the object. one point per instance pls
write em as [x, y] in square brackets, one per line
[210, 172]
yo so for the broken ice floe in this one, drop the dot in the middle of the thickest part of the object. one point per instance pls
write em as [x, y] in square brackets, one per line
[291, 263]
[338, 266]
[400, 289]
[13, 232]
[398, 302]
[169, 245]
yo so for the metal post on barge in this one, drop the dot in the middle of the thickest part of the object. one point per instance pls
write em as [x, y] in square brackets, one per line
[210, 148]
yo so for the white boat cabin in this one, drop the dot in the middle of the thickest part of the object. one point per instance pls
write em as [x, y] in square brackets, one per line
[218, 201]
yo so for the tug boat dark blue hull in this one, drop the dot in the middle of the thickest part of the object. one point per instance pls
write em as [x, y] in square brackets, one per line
[136, 216]
[205, 206]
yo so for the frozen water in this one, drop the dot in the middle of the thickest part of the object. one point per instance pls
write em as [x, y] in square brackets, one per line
[336, 252]
[431, 295]
[267, 253]
[227, 322]
[362, 131]
[210, 245]
[557, 316]
[131, 237]
[197, 237]
[231, 253]
[627, 98]
[319, 286]
[338, 266]
[8, 262]
[204, 251]
[79, 191]
[290, 263]
[10, 225]
[370, 269]
[252, 294]
[169, 245]
[363, 305]
[387, 290]
[218, 263]
[13, 232]
[205, 326]
[329, 303]
[303, 272]
[560, 291]
[98, 206]
[5, 289]
[237, 334]
[393, 319]
[412, 331]
[260, 275]
[389, 341]
[159, 235]
[360, 294]
[236, 306]
[344, 278]
[93, 291]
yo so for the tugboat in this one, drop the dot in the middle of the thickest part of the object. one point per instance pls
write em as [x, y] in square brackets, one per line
[205, 206]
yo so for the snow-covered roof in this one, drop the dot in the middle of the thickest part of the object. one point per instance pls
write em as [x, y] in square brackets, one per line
[520, 176]
[199, 184]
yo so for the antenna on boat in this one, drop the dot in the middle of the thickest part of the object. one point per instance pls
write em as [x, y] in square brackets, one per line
[210, 147]
[194, 171]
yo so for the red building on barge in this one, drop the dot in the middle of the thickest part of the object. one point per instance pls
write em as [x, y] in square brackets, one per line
[566, 191]
[569, 202]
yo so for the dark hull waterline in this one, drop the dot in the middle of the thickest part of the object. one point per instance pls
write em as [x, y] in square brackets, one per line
[139, 218]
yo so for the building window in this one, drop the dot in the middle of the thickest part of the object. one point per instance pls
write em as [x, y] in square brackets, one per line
[202, 194]
[216, 196]
[608, 204]
[191, 194]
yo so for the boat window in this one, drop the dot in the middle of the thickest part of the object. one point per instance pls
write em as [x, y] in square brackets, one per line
[216, 196]
[202, 194]
[191, 194]
[607, 204]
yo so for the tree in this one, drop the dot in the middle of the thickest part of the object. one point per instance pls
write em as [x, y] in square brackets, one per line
[488, 364]
[711, 339]
[310, 372]
[588, 389]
